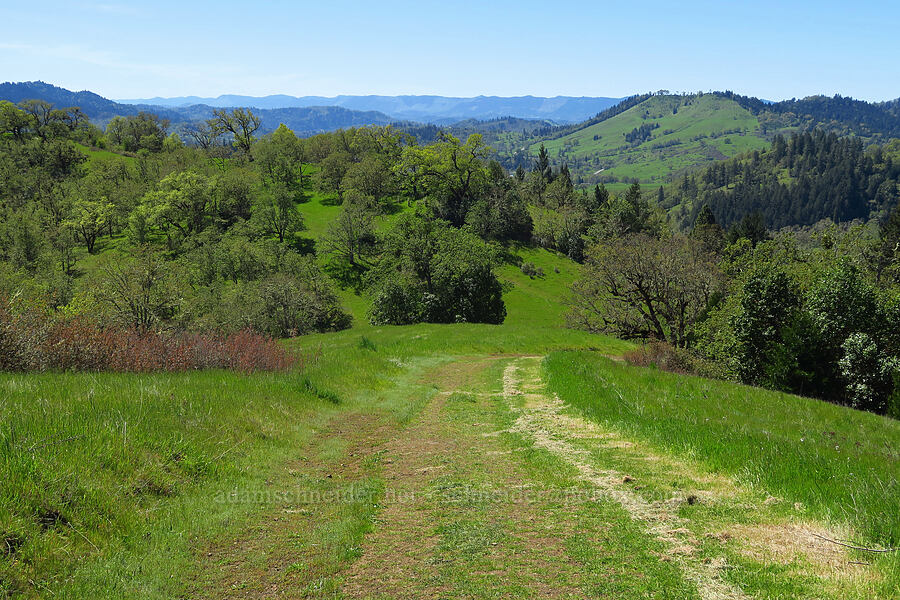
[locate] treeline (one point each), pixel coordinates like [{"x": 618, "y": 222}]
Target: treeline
[
  {"x": 641, "y": 134},
  {"x": 153, "y": 234},
  {"x": 837, "y": 114},
  {"x": 798, "y": 182},
  {"x": 165, "y": 239},
  {"x": 817, "y": 315}
]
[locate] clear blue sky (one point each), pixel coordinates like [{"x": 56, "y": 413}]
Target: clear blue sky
[{"x": 766, "y": 48}]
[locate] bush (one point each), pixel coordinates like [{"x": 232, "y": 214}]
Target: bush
[
  {"x": 868, "y": 373},
  {"x": 283, "y": 305},
  {"x": 532, "y": 271},
  {"x": 34, "y": 341},
  {"x": 663, "y": 356},
  {"x": 434, "y": 273}
]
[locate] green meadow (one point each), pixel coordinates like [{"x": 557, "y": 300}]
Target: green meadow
[{"x": 691, "y": 131}]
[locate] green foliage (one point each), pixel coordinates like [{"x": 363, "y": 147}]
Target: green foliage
[
  {"x": 141, "y": 293},
  {"x": 752, "y": 227},
  {"x": 350, "y": 238},
  {"x": 285, "y": 304},
  {"x": 501, "y": 214},
  {"x": 827, "y": 333},
  {"x": 796, "y": 182},
  {"x": 181, "y": 203},
  {"x": 768, "y": 329},
  {"x": 241, "y": 124},
  {"x": 435, "y": 273},
  {"x": 869, "y": 373},
  {"x": 885, "y": 258},
  {"x": 640, "y": 287},
  {"x": 143, "y": 131},
  {"x": 449, "y": 174}
]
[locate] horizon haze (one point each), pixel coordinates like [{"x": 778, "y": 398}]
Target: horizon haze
[{"x": 136, "y": 50}]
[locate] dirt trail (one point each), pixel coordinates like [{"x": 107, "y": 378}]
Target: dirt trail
[
  {"x": 470, "y": 507},
  {"x": 432, "y": 472},
  {"x": 793, "y": 544},
  {"x": 542, "y": 419}
]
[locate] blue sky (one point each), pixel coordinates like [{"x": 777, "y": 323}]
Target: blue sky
[{"x": 764, "y": 48}]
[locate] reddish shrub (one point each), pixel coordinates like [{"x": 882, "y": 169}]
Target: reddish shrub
[
  {"x": 662, "y": 356},
  {"x": 32, "y": 341}
]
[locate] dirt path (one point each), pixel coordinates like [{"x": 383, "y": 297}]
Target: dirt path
[
  {"x": 496, "y": 489},
  {"x": 447, "y": 528},
  {"x": 541, "y": 418},
  {"x": 748, "y": 526}
]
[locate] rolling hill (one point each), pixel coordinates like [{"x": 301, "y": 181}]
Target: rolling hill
[
  {"x": 655, "y": 138},
  {"x": 658, "y": 138}
]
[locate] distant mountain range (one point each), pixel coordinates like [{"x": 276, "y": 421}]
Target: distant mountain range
[
  {"x": 315, "y": 114},
  {"x": 650, "y": 138},
  {"x": 440, "y": 110},
  {"x": 304, "y": 121}
]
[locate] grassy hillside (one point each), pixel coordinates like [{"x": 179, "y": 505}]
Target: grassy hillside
[
  {"x": 841, "y": 463},
  {"x": 688, "y": 132},
  {"x": 190, "y": 485},
  {"x": 518, "y": 460},
  {"x": 120, "y": 478}
]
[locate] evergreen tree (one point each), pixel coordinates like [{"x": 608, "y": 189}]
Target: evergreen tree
[
  {"x": 751, "y": 227},
  {"x": 886, "y": 259},
  {"x": 601, "y": 195},
  {"x": 542, "y": 165}
]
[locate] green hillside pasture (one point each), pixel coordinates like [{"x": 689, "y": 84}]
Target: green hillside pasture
[
  {"x": 99, "y": 154},
  {"x": 110, "y": 481},
  {"x": 842, "y": 464},
  {"x": 696, "y": 136},
  {"x": 535, "y": 303}
]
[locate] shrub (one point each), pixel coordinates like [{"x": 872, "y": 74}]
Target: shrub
[
  {"x": 437, "y": 274},
  {"x": 532, "y": 271},
  {"x": 34, "y": 341},
  {"x": 868, "y": 372},
  {"x": 663, "y": 356}
]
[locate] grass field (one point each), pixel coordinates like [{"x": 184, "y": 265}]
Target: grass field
[
  {"x": 116, "y": 474},
  {"x": 211, "y": 484},
  {"x": 842, "y": 464},
  {"x": 691, "y": 131}
]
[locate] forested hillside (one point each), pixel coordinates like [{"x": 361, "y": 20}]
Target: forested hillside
[
  {"x": 653, "y": 138},
  {"x": 799, "y": 181}
]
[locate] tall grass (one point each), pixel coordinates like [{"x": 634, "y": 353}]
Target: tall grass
[
  {"x": 108, "y": 479},
  {"x": 841, "y": 463}
]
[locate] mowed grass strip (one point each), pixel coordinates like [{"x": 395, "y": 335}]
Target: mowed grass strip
[
  {"x": 839, "y": 463},
  {"x": 475, "y": 511},
  {"x": 733, "y": 540}
]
